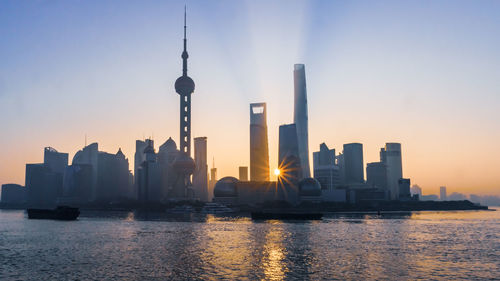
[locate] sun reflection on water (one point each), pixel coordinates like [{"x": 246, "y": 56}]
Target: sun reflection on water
[{"x": 273, "y": 254}]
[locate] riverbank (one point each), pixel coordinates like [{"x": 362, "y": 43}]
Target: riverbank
[{"x": 330, "y": 207}]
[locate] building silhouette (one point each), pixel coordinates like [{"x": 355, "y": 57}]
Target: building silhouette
[
  {"x": 54, "y": 160},
  {"x": 353, "y": 163},
  {"x": 184, "y": 165},
  {"x": 404, "y": 189},
  {"x": 89, "y": 156},
  {"x": 212, "y": 182},
  {"x": 391, "y": 156},
  {"x": 288, "y": 155},
  {"x": 113, "y": 177},
  {"x": 300, "y": 118},
  {"x": 200, "y": 176},
  {"x": 77, "y": 184},
  {"x": 149, "y": 178},
  {"x": 44, "y": 181},
  {"x": 376, "y": 175},
  {"x": 442, "y": 193},
  {"x": 243, "y": 173},
  {"x": 166, "y": 156},
  {"x": 139, "y": 158},
  {"x": 259, "y": 151},
  {"x": 416, "y": 190},
  {"x": 14, "y": 194},
  {"x": 325, "y": 169}
]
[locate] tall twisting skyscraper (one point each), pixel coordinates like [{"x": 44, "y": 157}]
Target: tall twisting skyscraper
[
  {"x": 300, "y": 117},
  {"x": 184, "y": 86}
]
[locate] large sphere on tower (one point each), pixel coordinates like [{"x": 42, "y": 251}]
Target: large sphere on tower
[
  {"x": 184, "y": 85},
  {"x": 184, "y": 164}
]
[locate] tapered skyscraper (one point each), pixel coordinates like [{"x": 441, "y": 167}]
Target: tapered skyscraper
[
  {"x": 300, "y": 117},
  {"x": 259, "y": 152},
  {"x": 184, "y": 86}
]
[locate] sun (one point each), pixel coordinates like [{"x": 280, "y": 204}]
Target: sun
[{"x": 277, "y": 172}]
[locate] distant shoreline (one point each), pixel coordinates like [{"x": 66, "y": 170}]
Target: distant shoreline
[{"x": 324, "y": 207}]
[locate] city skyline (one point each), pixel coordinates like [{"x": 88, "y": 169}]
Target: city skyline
[{"x": 35, "y": 119}]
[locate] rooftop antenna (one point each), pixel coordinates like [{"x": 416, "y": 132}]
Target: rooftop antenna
[{"x": 85, "y": 140}]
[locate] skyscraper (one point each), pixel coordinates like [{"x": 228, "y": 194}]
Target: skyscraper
[
  {"x": 200, "y": 176},
  {"x": 259, "y": 152},
  {"x": 416, "y": 190},
  {"x": 139, "y": 158},
  {"x": 149, "y": 178},
  {"x": 212, "y": 181},
  {"x": 288, "y": 154},
  {"x": 243, "y": 173},
  {"x": 404, "y": 189},
  {"x": 376, "y": 175},
  {"x": 353, "y": 163},
  {"x": 300, "y": 117},
  {"x": 55, "y": 161},
  {"x": 442, "y": 193},
  {"x": 325, "y": 170},
  {"x": 89, "y": 156},
  {"x": 391, "y": 156}
]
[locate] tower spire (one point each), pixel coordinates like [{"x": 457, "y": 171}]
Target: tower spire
[{"x": 185, "y": 55}]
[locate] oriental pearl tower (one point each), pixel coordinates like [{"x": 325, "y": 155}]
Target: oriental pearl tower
[{"x": 184, "y": 165}]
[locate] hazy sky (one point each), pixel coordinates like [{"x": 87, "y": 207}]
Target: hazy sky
[{"x": 423, "y": 73}]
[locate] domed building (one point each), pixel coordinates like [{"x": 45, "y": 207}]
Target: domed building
[
  {"x": 226, "y": 187},
  {"x": 226, "y": 190},
  {"x": 309, "y": 189}
]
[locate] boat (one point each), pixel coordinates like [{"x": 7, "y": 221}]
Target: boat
[
  {"x": 59, "y": 213},
  {"x": 285, "y": 216},
  {"x": 216, "y": 208}
]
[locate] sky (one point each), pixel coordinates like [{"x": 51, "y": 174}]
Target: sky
[{"x": 422, "y": 73}]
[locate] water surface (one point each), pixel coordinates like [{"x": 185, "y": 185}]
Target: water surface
[{"x": 127, "y": 246}]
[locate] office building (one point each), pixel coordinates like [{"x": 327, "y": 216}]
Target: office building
[
  {"x": 376, "y": 175},
  {"x": 43, "y": 185},
  {"x": 55, "y": 161},
  {"x": 14, "y": 194},
  {"x": 404, "y": 189},
  {"x": 442, "y": 193},
  {"x": 167, "y": 154},
  {"x": 391, "y": 156},
  {"x": 288, "y": 154},
  {"x": 325, "y": 170},
  {"x": 212, "y": 182},
  {"x": 300, "y": 118},
  {"x": 200, "y": 176},
  {"x": 149, "y": 178},
  {"x": 353, "y": 163},
  {"x": 77, "y": 184},
  {"x": 416, "y": 190},
  {"x": 259, "y": 152},
  {"x": 139, "y": 158},
  {"x": 89, "y": 156},
  {"x": 112, "y": 177},
  {"x": 243, "y": 173}
]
